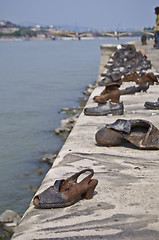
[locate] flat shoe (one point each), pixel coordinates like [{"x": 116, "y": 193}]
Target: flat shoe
[
  {"x": 105, "y": 109},
  {"x": 152, "y": 105},
  {"x": 141, "y": 133},
  {"x": 66, "y": 192},
  {"x": 108, "y": 137},
  {"x": 132, "y": 90}
]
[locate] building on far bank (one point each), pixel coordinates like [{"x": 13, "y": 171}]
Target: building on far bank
[{"x": 7, "y": 27}]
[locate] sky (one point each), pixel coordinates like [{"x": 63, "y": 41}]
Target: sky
[{"x": 102, "y": 15}]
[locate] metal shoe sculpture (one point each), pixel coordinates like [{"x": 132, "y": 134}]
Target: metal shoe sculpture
[
  {"x": 66, "y": 192},
  {"x": 132, "y": 90},
  {"x": 141, "y": 133},
  {"x": 152, "y": 105},
  {"x": 130, "y": 77},
  {"x": 147, "y": 77},
  {"x": 111, "y": 92},
  {"x": 105, "y": 108}
]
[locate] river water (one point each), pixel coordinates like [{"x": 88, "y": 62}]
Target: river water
[{"x": 37, "y": 79}]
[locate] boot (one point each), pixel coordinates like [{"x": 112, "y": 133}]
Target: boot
[
  {"x": 111, "y": 92},
  {"x": 130, "y": 77},
  {"x": 147, "y": 77}
]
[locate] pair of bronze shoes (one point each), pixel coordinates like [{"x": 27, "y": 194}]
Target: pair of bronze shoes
[
  {"x": 141, "y": 133},
  {"x": 149, "y": 78},
  {"x": 112, "y": 92},
  {"x": 66, "y": 192}
]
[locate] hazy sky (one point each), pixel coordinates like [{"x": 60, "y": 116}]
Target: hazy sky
[{"x": 96, "y": 14}]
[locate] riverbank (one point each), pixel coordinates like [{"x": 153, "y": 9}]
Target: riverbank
[
  {"x": 126, "y": 200},
  {"x": 9, "y": 39}
]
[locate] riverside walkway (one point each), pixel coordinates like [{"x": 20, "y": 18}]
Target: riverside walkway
[{"x": 126, "y": 201}]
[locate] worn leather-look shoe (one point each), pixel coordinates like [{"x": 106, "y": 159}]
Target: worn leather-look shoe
[
  {"x": 132, "y": 90},
  {"x": 105, "y": 109},
  {"x": 132, "y": 77},
  {"x": 66, "y": 192},
  {"x": 152, "y": 105},
  {"x": 110, "y": 87},
  {"x": 111, "y": 92},
  {"x": 104, "y": 81},
  {"x": 141, "y": 133},
  {"x": 147, "y": 77},
  {"x": 142, "y": 87},
  {"x": 108, "y": 78},
  {"x": 108, "y": 137},
  {"x": 128, "y": 90},
  {"x": 114, "y": 75}
]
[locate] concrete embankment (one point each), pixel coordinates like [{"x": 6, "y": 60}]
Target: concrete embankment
[{"x": 125, "y": 205}]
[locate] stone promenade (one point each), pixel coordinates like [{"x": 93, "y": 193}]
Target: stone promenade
[{"x": 125, "y": 205}]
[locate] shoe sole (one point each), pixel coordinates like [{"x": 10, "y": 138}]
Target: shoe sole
[
  {"x": 152, "y": 108},
  {"x": 113, "y": 112}
]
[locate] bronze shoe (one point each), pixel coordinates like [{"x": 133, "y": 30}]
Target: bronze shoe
[
  {"x": 147, "y": 77},
  {"x": 132, "y": 90},
  {"x": 141, "y": 133},
  {"x": 111, "y": 92},
  {"x": 152, "y": 105},
  {"x": 105, "y": 108},
  {"x": 108, "y": 137},
  {"x": 66, "y": 192},
  {"x": 130, "y": 77}
]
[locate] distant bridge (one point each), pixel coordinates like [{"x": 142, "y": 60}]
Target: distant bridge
[
  {"x": 74, "y": 35},
  {"x": 115, "y": 34}
]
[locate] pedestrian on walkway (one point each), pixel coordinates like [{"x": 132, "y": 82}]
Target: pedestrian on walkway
[{"x": 156, "y": 28}]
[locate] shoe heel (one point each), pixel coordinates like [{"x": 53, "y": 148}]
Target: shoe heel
[
  {"x": 90, "y": 192},
  {"x": 118, "y": 112},
  {"x": 121, "y": 112}
]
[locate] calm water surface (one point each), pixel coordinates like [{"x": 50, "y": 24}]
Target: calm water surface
[{"x": 37, "y": 79}]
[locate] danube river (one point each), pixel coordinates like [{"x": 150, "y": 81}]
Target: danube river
[{"x": 37, "y": 79}]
